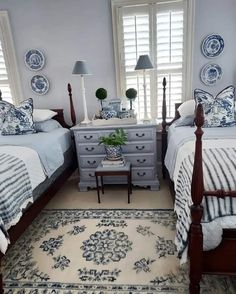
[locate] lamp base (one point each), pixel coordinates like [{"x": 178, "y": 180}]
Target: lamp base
[
  {"x": 85, "y": 122},
  {"x": 146, "y": 119}
]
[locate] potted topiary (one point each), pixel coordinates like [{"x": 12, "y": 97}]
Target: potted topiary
[
  {"x": 113, "y": 143},
  {"x": 101, "y": 94},
  {"x": 131, "y": 94}
]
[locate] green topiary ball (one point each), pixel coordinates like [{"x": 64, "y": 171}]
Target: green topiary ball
[
  {"x": 131, "y": 93},
  {"x": 101, "y": 93}
]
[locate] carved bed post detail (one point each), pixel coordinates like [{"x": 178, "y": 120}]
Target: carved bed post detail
[
  {"x": 164, "y": 132},
  {"x": 195, "y": 233},
  {"x": 72, "y": 110}
]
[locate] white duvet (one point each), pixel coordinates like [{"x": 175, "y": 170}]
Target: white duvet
[{"x": 35, "y": 169}]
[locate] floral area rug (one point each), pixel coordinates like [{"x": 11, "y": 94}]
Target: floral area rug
[{"x": 100, "y": 252}]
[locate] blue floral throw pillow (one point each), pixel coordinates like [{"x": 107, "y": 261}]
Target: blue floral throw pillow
[
  {"x": 19, "y": 119},
  {"x": 4, "y": 107},
  {"x": 219, "y": 110}
]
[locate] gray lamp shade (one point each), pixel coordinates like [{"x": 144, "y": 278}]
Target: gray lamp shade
[
  {"x": 144, "y": 62},
  {"x": 80, "y": 68}
]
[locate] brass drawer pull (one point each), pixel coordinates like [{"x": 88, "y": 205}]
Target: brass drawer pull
[
  {"x": 91, "y": 162},
  {"x": 141, "y": 161},
  {"x": 88, "y": 137},
  {"x": 138, "y": 135},
  {"x": 141, "y": 175},
  {"x": 91, "y": 176},
  {"x": 140, "y": 147},
  {"x": 89, "y": 149}
]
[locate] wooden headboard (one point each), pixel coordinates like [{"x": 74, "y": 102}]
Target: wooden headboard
[{"x": 60, "y": 118}]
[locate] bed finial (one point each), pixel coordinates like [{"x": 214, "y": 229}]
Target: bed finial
[
  {"x": 72, "y": 110},
  {"x": 197, "y": 188},
  {"x": 0, "y": 95}
]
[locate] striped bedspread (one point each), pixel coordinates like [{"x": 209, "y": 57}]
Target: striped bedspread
[
  {"x": 219, "y": 170},
  {"x": 16, "y": 185}
]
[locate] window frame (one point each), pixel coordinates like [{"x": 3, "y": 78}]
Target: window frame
[
  {"x": 189, "y": 8},
  {"x": 10, "y": 58}
]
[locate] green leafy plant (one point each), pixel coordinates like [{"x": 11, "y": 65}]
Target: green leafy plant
[
  {"x": 117, "y": 138},
  {"x": 101, "y": 94},
  {"x": 131, "y": 94}
]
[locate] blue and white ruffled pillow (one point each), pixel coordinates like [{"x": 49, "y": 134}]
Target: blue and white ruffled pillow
[
  {"x": 4, "y": 107},
  {"x": 19, "y": 119},
  {"x": 219, "y": 111}
]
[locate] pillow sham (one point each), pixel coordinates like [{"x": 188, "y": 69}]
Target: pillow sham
[
  {"x": 47, "y": 125},
  {"x": 18, "y": 119},
  {"x": 184, "y": 121},
  {"x": 219, "y": 110},
  {"x": 43, "y": 114},
  {"x": 4, "y": 107},
  {"x": 187, "y": 108}
]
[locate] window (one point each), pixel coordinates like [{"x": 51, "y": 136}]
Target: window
[
  {"x": 161, "y": 29},
  {"x": 9, "y": 76}
]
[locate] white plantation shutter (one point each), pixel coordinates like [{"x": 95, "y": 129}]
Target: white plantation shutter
[
  {"x": 169, "y": 50},
  {"x": 136, "y": 41},
  {"x": 156, "y": 28},
  {"x": 9, "y": 77},
  {"x": 4, "y": 82}
]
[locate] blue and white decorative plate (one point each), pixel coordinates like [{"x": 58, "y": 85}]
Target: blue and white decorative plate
[
  {"x": 211, "y": 73},
  {"x": 34, "y": 59},
  {"x": 39, "y": 84},
  {"x": 212, "y": 45}
]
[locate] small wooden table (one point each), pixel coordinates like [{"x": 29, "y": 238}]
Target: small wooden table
[{"x": 114, "y": 171}]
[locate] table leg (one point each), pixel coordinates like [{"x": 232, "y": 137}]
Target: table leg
[
  {"x": 128, "y": 184},
  {"x": 102, "y": 184},
  {"x": 130, "y": 180},
  {"x": 98, "y": 192}
]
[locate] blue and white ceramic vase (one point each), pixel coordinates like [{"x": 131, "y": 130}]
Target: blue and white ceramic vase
[
  {"x": 113, "y": 152},
  {"x": 107, "y": 113}
]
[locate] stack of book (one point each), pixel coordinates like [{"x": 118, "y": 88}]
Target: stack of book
[{"x": 113, "y": 162}]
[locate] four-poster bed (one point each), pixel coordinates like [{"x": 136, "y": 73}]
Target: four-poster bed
[
  {"x": 222, "y": 259},
  {"x": 47, "y": 189}
]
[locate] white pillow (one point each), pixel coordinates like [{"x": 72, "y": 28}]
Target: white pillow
[
  {"x": 43, "y": 114},
  {"x": 187, "y": 108}
]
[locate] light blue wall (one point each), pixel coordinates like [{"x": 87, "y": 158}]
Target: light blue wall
[
  {"x": 68, "y": 30},
  {"x": 215, "y": 16}
]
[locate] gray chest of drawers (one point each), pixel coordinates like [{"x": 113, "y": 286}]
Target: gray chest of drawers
[{"x": 140, "y": 150}]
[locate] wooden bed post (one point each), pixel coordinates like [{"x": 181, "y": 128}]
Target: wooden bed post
[
  {"x": 164, "y": 132},
  {"x": 195, "y": 233},
  {"x": 72, "y": 110}
]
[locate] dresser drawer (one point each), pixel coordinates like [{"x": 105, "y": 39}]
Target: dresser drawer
[
  {"x": 140, "y": 159},
  {"x": 90, "y": 149},
  {"x": 87, "y": 174},
  {"x": 140, "y": 134},
  {"x": 86, "y": 161},
  {"x": 143, "y": 173},
  {"x": 138, "y": 147},
  {"x": 91, "y": 136}
]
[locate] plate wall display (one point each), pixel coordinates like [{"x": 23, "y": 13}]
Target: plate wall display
[
  {"x": 39, "y": 84},
  {"x": 34, "y": 59},
  {"x": 212, "y": 45},
  {"x": 210, "y": 74}
]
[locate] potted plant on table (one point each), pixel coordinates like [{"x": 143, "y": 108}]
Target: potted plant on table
[
  {"x": 101, "y": 94},
  {"x": 113, "y": 143},
  {"x": 131, "y": 94}
]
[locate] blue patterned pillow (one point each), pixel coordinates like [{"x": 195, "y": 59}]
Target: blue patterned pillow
[
  {"x": 4, "y": 107},
  {"x": 19, "y": 119},
  {"x": 218, "y": 111}
]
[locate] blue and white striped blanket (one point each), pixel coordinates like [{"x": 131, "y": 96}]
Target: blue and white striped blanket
[
  {"x": 15, "y": 187},
  {"x": 219, "y": 170}
]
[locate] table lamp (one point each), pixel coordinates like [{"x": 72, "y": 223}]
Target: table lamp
[
  {"x": 80, "y": 68},
  {"x": 144, "y": 63}
]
